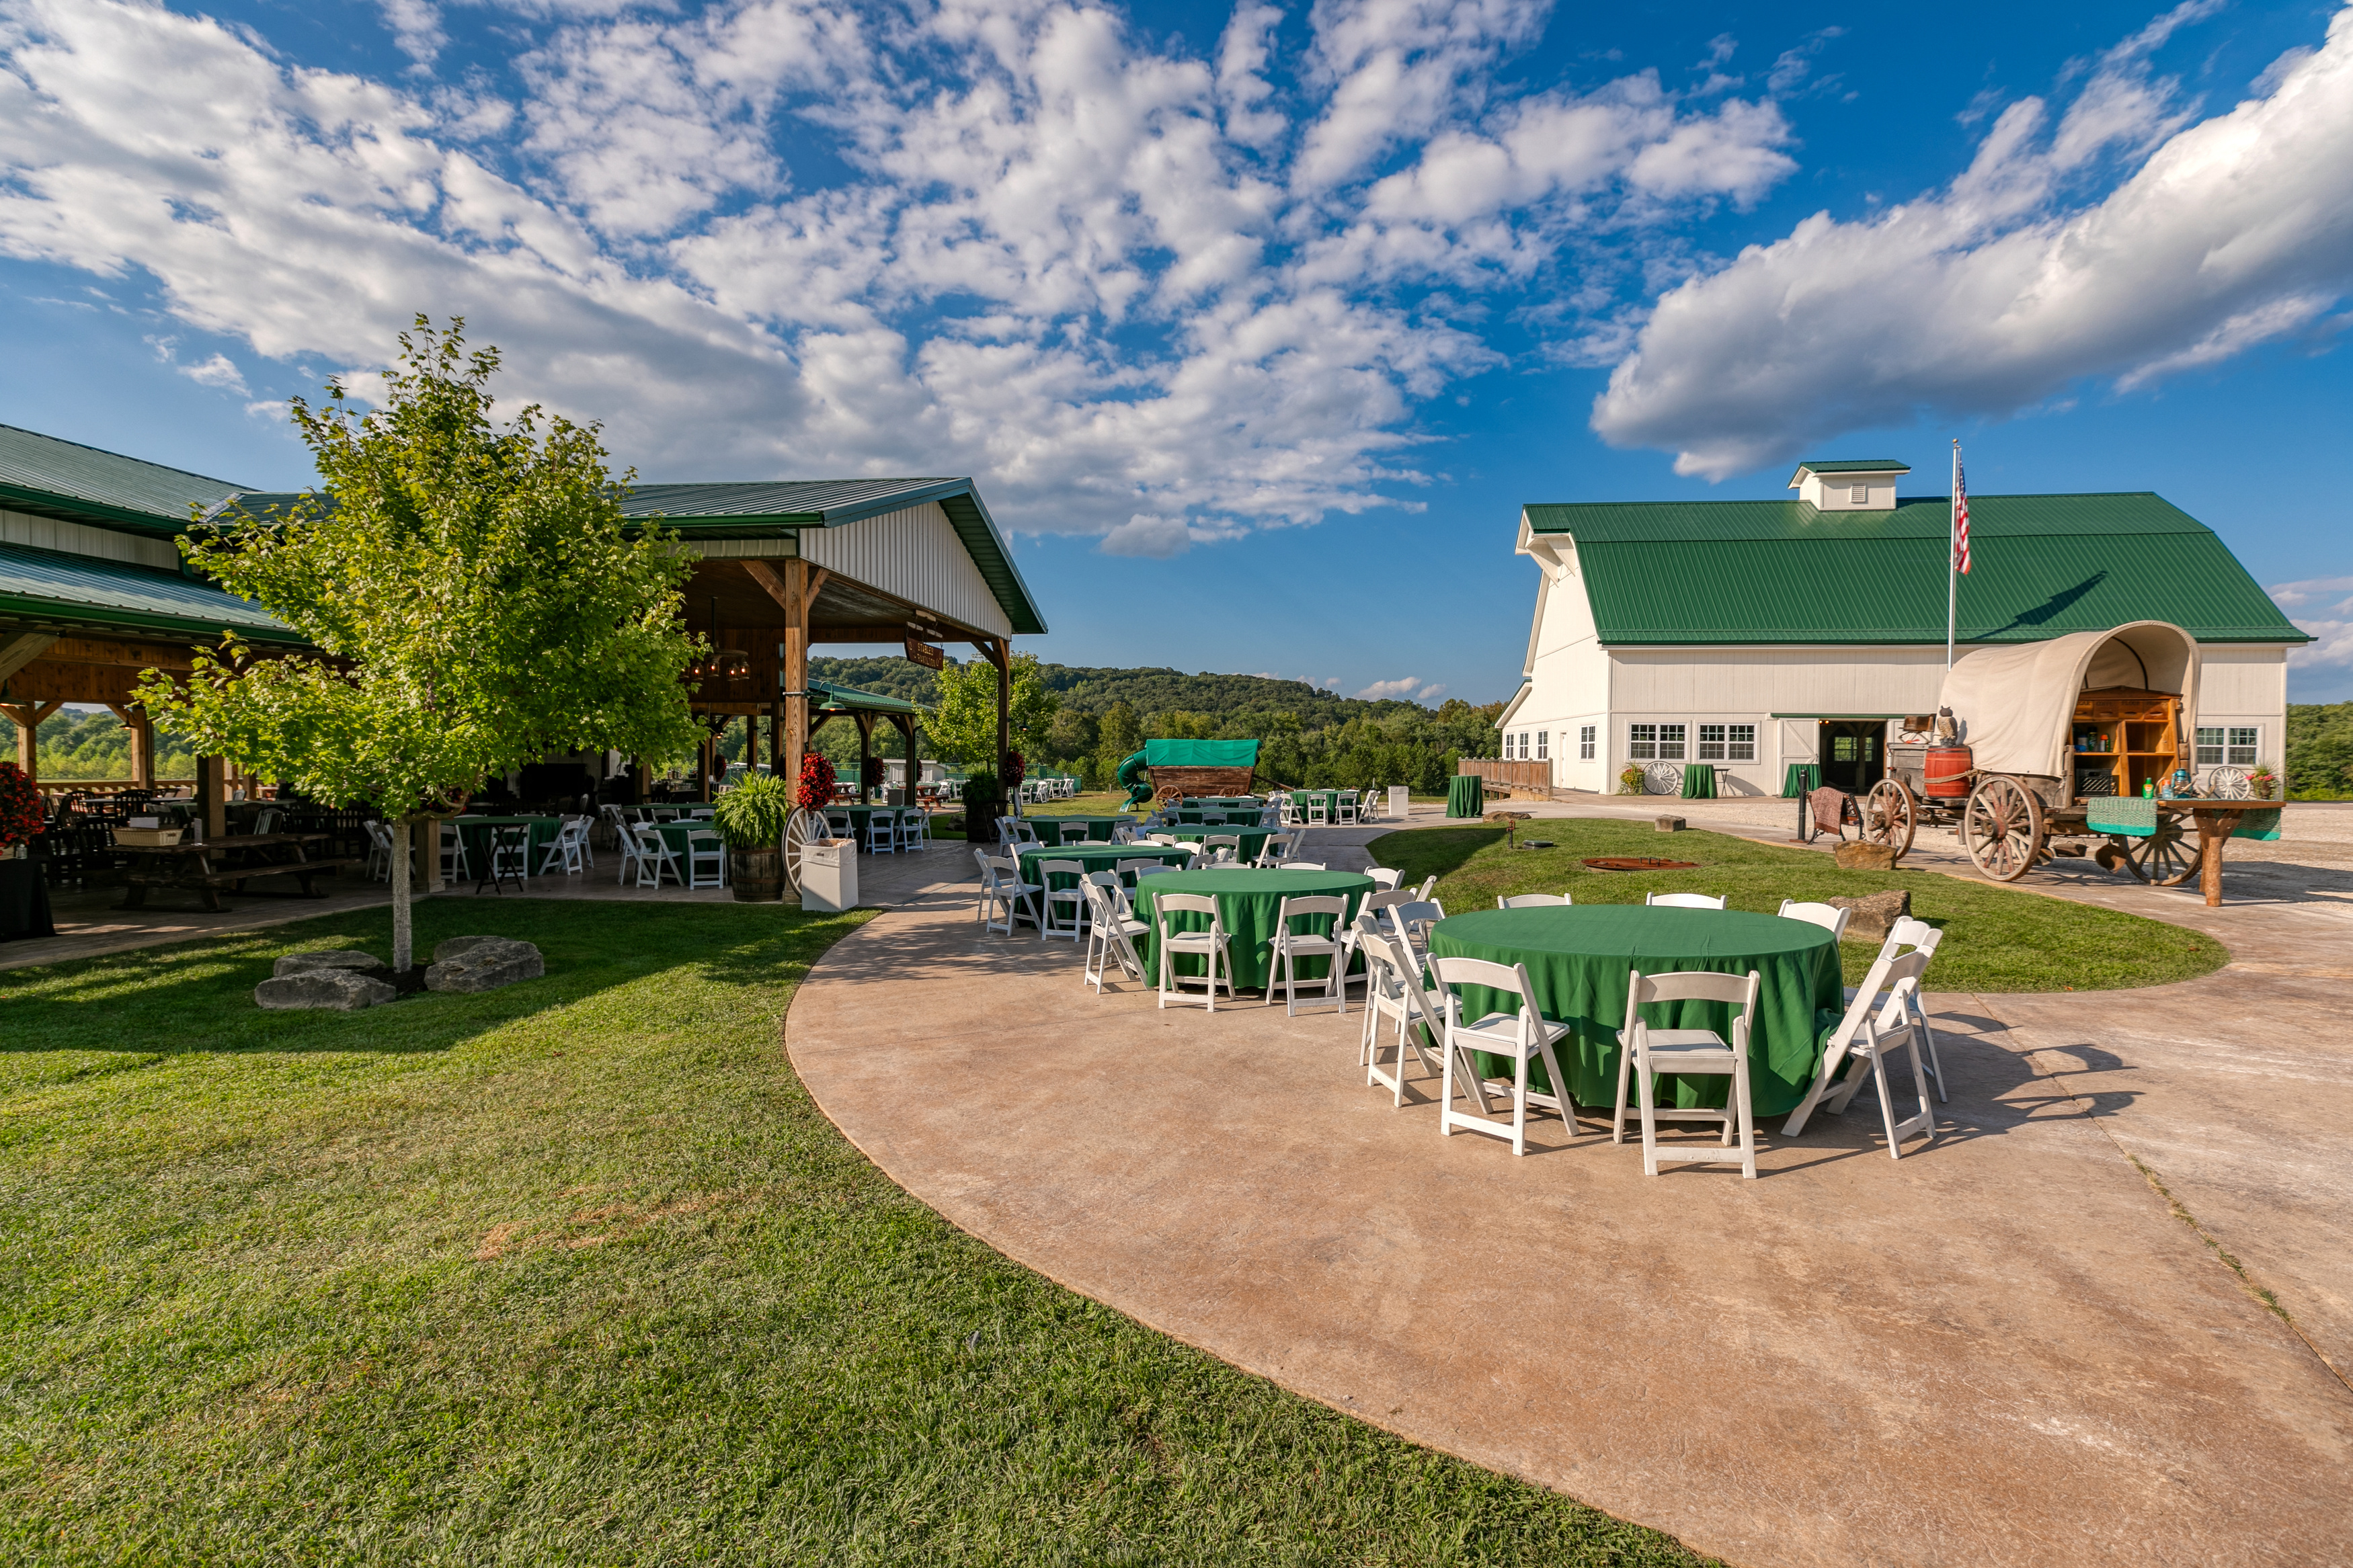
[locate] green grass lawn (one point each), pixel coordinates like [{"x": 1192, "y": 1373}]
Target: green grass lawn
[
  {"x": 1996, "y": 939},
  {"x": 576, "y": 1272}
]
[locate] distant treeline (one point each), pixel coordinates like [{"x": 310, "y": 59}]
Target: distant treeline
[
  {"x": 1313, "y": 737},
  {"x": 96, "y": 746},
  {"x": 2320, "y": 751}
]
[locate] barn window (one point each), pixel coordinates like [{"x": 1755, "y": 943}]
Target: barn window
[
  {"x": 1585, "y": 743},
  {"x": 1857, "y": 495},
  {"x": 2210, "y": 747},
  {"x": 1544, "y": 744},
  {"x": 1740, "y": 746},
  {"x": 2242, "y": 753},
  {"x": 1643, "y": 742},
  {"x": 1671, "y": 743},
  {"x": 1711, "y": 743}
]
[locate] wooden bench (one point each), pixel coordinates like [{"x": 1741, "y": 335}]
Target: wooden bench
[{"x": 189, "y": 866}]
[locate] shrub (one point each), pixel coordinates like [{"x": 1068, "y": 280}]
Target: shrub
[{"x": 752, "y": 814}]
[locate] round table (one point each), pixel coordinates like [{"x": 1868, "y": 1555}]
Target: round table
[
  {"x": 1096, "y": 857},
  {"x": 1253, "y": 838},
  {"x": 475, "y": 833},
  {"x": 1099, "y": 828},
  {"x": 1248, "y": 901},
  {"x": 1578, "y": 960}
]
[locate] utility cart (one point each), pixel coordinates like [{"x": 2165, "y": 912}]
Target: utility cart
[{"x": 2045, "y": 749}]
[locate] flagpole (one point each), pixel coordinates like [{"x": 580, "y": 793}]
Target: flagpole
[{"x": 1952, "y": 553}]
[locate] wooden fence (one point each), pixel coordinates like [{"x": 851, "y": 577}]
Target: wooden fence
[{"x": 1497, "y": 773}]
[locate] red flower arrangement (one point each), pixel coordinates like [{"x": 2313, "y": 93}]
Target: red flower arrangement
[
  {"x": 20, "y": 806},
  {"x": 816, "y": 790},
  {"x": 873, "y": 773},
  {"x": 1016, "y": 768}
]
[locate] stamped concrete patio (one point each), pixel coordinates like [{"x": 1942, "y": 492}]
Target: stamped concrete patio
[{"x": 2009, "y": 1347}]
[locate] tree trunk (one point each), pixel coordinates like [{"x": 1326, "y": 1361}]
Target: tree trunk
[{"x": 404, "y": 936}]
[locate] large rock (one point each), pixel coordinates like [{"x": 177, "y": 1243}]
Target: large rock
[
  {"x": 483, "y": 964},
  {"x": 1861, "y": 856},
  {"x": 342, "y": 958},
  {"x": 1874, "y": 915},
  {"x": 335, "y": 990}
]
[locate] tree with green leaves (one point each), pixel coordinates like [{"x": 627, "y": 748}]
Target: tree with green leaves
[
  {"x": 964, "y": 729},
  {"x": 474, "y": 597}
]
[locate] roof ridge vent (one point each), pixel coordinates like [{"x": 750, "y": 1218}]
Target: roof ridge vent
[{"x": 1849, "y": 484}]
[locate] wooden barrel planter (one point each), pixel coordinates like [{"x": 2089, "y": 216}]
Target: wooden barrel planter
[{"x": 759, "y": 875}]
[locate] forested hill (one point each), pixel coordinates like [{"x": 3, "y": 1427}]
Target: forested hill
[{"x": 1145, "y": 690}]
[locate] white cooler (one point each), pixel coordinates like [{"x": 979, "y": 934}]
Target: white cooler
[
  {"x": 829, "y": 875},
  {"x": 1400, "y": 800}
]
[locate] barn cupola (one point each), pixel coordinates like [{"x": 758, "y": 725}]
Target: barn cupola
[{"x": 1850, "y": 484}]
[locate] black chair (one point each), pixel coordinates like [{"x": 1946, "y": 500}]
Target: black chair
[{"x": 507, "y": 846}]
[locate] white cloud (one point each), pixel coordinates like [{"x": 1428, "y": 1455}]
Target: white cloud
[
  {"x": 1987, "y": 297},
  {"x": 415, "y": 28},
  {"x": 2323, "y": 606},
  {"x": 219, "y": 371},
  {"x": 1407, "y": 688},
  {"x": 1156, "y": 537}
]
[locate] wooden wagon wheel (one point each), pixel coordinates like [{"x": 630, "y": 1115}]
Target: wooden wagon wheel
[
  {"x": 1890, "y": 816},
  {"x": 801, "y": 828},
  {"x": 2002, "y": 826},
  {"x": 2167, "y": 858},
  {"x": 1167, "y": 795}
]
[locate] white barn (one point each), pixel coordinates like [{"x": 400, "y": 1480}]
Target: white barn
[{"x": 1756, "y": 635}]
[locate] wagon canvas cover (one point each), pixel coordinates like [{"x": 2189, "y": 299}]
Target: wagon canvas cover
[{"x": 2016, "y": 705}]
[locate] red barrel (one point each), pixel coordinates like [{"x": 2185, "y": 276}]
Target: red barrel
[{"x": 1947, "y": 772}]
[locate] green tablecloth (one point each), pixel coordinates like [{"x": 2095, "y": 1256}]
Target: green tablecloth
[
  {"x": 1253, "y": 838},
  {"x": 1800, "y": 778},
  {"x": 674, "y": 834},
  {"x": 1247, "y": 903},
  {"x": 1098, "y": 857},
  {"x": 475, "y": 831},
  {"x": 1463, "y": 797},
  {"x": 1578, "y": 958},
  {"x": 1699, "y": 781},
  {"x": 1099, "y": 828}
]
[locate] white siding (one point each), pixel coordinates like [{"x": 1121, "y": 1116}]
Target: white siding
[
  {"x": 1568, "y": 672},
  {"x": 79, "y": 539},
  {"x": 915, "y": 555},
  {"x": 2238, "y": 685},
  {"x": 1767, "y": 680}
]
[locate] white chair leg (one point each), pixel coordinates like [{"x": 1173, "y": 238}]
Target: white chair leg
[
  {"x": 1520, "y": 1107},
  {"x": 1643, "y": 1089},
  {"x": 1936, "y": 1062},
  {"x": 1747, "y": 1123}
]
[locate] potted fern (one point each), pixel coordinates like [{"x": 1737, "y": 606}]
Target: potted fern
[{"x": 751, "y": 820}]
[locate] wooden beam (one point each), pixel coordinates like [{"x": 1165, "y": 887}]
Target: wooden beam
[
  {"x": 28, "y": 717},
  {"x": 18, "y": 650}
]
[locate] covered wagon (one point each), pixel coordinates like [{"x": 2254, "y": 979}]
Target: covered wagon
[{"x": 1189, "y": 769}]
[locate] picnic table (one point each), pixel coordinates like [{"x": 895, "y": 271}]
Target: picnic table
[{"x": 205, "y": 866}]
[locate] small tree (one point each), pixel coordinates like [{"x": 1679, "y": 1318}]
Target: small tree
[
  {"x": 474, "y": 598},
  {"x": 963, "y": 730}
]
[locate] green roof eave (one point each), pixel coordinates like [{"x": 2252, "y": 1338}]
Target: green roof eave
[
  {"x": 97, "y": 514},
  {"x": 47, "y": 588},
  {"x": 1856, "y": 465}
]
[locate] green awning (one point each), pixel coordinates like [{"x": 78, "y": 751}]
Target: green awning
[
  {"x": 825, "y": 697},
  {"x": 47, "y": 588},
  {"x": 1200, "y": 753}
]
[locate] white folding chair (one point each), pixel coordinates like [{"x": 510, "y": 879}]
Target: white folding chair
[
  {"x": 1287, "y": 947},
  {"x": 1681, "y": 901},
  {"x": 1347, "y": 809},
  {"x": 626, "y": 834},
  {"x": 566, "y": 848},
  {"x": 1394, "y": 995},
  {"x": 1139, "y": 868},
  {"x": 1222, "y": 848},
  {"x": 1422, "y": 893},
  {"x": 914, "y": 829},
  {"x": 1646, "y": 1054},
  {"x": 1319, "y": 810},
  {"x": 1520, "y": 1035},
  {"x": 456, "y": 864},
  {"x": 1534, "y": 902},
  {"x": 881, "y": 833},
  {"x": 1878, "y": 1020},
  {"x": 1910, "y": 933},
  {"x": 1001, "y": 884},
  {"x": 655, "y": 860},
  {"x": 1410, "y": 920},
  {"x": 1302, "y": 866},
  {"x": 1385, "y": 878},
  {"x": 379, "y": 854},
  {"x": 1830, "y": 917},
  {"x": 1072, "y": 899},
  {"x": 1111, "y": 932},
  {"x": 1211, "y": 945},
  {"x": 705, "y": 852}
]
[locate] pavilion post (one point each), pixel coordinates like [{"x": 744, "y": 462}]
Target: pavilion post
[
  {"x": 212, "y": 796},
  {"x": 865, "y": 722},
  {"x": 795, "y": 652},
  {"x": 141, "y": 731},
  {"x": 28, "y": 717}
]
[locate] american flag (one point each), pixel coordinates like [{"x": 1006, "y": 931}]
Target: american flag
[{"x": 1960, "y": 516}]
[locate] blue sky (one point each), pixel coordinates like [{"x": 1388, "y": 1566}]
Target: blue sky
[{"x": 1257, "y": 323}]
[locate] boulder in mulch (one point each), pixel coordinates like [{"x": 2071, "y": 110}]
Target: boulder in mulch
[
  {"x": 343, "y": 958},
  {"x": 1875, "y": 914},
  {"x": 331, "y": 990},
  {"x": 468, "y": 963}
]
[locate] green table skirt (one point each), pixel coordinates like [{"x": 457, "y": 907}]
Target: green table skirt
[
  {"x": 1248, "y": 901},
  {"x": 1098, "y": 857},
  {"x": 1699, "y": 781},
  {"x": 1253, "y": 838},
  {"x": 1800, "y": 778},
  {"x": 1464, "y": 797},
  {"x": 1099, "y": 828},
  {"x": 1197, "y": 815},
  {"x": 476, "y": 833},
  {"x": 1578, "y": 959}
]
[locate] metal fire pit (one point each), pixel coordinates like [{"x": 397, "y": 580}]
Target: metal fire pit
[{"x": 1638, "y": 863}]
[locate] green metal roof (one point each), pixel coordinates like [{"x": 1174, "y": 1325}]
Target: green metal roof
[
  {"x": 825, "y": 697},
  {"x": 1780, "y": 572},
  {"x": 1856, "y": 465},
  {"x": 770, "y": 508},
  {"x": 45, "y": 588},
  {"x": 49, "y": 478}
]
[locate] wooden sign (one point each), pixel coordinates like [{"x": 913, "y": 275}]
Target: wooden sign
[{"x": 924, "y": 654}]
